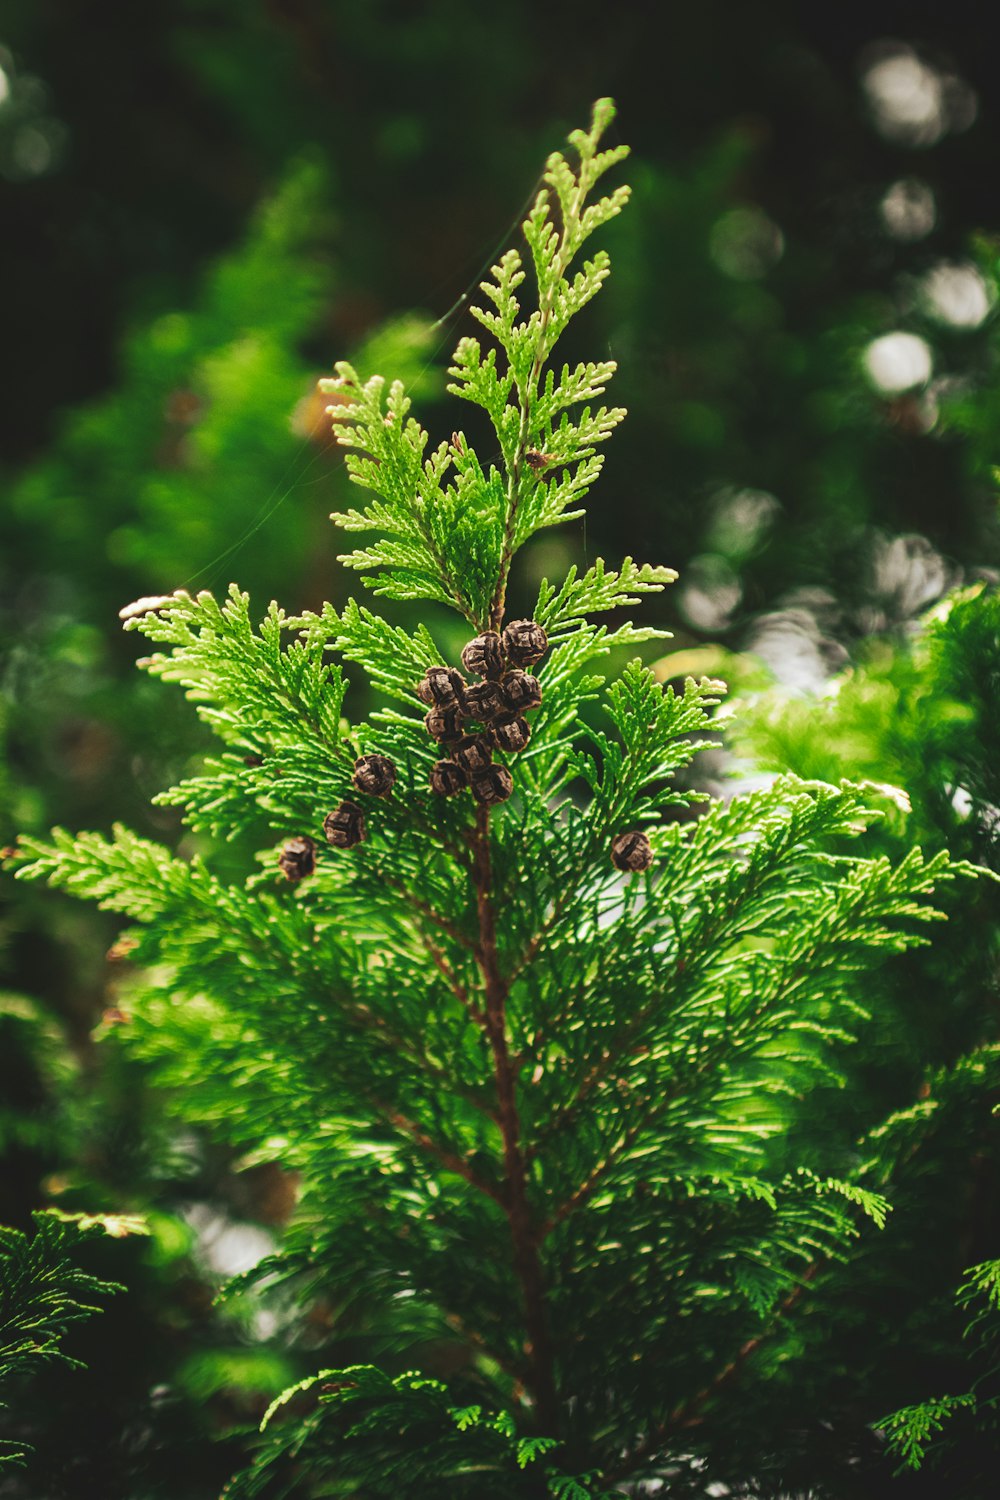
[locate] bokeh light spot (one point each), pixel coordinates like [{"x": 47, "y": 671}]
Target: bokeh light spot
[
  {"x": 908, "y": 209},
  {"x": 906, "y": 98},
  {"x": 898, "y": 361},
  {"x": 745, "y": 244},
  {"x": 741, "y": 521},
  {"x": 710, "y": 593},
  {"x": 31, "y": 151},
  {"x": 912, "y": 102},
  {"x": 956, "y": 293}
]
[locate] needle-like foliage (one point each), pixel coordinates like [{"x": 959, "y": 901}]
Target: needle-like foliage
[{"x": 527, "y": 1051}]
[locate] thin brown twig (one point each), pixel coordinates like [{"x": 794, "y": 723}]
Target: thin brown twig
[
  {"x": 398, "y": 1044},
  {"x": 456, "y": 1322},
  {"x": 587, "y": 1187},
  {"x": 453, "y": 982},
  {"x": 592, "y": 1181},
  {"x": 426, "y": 910},
  {"x": 601, "y": 1067},
  {"x": 449, "y": 1159}
]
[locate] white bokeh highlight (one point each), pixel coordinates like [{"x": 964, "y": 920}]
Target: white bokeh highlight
[
  {"x": 956, "y": 293},
  {"x": 898, "y": 362}
]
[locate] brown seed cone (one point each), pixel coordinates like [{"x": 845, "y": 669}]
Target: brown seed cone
[
  {"x": 448, "y": 778},
  {"x": 474, "y": 754},
  {"x": 631, "y": 852},
  {"x": 484, "y": 701},
  {"x": 521, "y": 693},
  {"x": 345, "y": 826},
  {"x": 444, "y": 724},
  {"x": 524, "y": 642},
  {"x": 483, "y": 655},
  {"x": 374, "y": 774},
  {"x": 443, "y": 687},
  {"x": 492, "y": 786},
  {"x": 510, "y": 734},
  {"x": 298, "y": 858}
]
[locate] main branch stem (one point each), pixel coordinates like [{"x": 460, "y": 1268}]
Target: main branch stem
[{"x": 527, "y": 1264}]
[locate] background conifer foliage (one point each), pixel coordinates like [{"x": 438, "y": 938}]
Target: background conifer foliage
[{"x": 538, "y": 1044}]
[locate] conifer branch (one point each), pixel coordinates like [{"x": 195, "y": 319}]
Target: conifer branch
[
  {"x": 527, "y": 1264},
  {"x": 425, "y": 909},
  {"x": 456, "y": 986},
  {"x": 691, "y": 1413},
  {"x": 447, "y": 1158},
  {"x": 551, "y": 290},
  {"x": 665, "y": 1019},
  {"x": 527, "y": 390}
]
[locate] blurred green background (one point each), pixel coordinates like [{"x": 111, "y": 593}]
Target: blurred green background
[{"x": 206, "y": 204}]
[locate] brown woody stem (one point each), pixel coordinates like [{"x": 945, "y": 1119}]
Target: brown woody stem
[{"x": 527, "y": 1264}]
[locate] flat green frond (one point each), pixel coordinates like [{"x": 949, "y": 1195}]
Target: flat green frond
[
  {"x": 873, "y": 1205},
  {"x": 400, "y": 1438},
  {"x": 393, "y": 659},
  {"x": 629, "y": 778},
  {"x": 560, "y": 610},
  {"x": 910, "y": 1431},
  {"x": 253, "y": 688},
  {"x": 413, "y": 516},
  {"x": 126, "y": 873}
]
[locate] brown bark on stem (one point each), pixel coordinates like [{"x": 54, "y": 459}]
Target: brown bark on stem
[{"x": 524, "y": 1240}]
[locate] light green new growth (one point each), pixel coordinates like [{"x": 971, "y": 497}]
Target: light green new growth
[
  {"x": 531, "y": 1099},
  {"x": 446, "y": 528},
  {"x": 912, "y": 1429}
]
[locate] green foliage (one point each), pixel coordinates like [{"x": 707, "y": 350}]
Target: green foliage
[
  {"x": 398, "y": 1437},
  {"x": 42, "y": 1293},
  {"x": 919, "y": 723},
  {"x": 912, "y": 1429},
  {"x": 201, "y": 416},
  {"x": 562, "y": 610},
  {"x": 912, "y": 1432},
  {"x": 454, "y": 542},
  {"x": 534, "y": 1102}
]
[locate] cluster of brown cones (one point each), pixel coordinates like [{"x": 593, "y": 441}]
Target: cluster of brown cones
[{"x": 496, "y": 704}]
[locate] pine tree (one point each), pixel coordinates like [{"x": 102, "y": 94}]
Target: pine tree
[{"x": 525, "y": 1030}]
